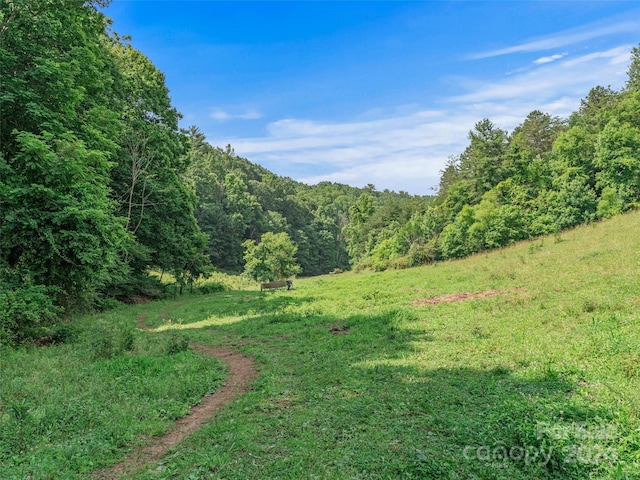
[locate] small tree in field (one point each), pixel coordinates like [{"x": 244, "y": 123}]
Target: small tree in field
[{"x": 274, "y": 258}]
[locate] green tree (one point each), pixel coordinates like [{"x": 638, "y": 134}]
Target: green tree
[
  {"x": 482, "y": 163},
  {"x": 633, "y": 74},
  {"x": 532, "y": 139},
  {"x": 355, "y": 232},
  {"x": 618, "y": 158},
  {"x": 56, "y": 221},
  {"x": 273, "y": 258},
  {"x": 150, "y": 178},
  {"x": 58, "y": 131},
  {"x": 610, "y": 203},
  {"x": 569, "y": 202}
]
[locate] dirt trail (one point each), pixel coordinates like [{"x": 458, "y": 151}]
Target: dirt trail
[
  {"x": 460, "y": 297},
  {"x": 242, "y": 372},
  {"x": 456, "y": 297}
]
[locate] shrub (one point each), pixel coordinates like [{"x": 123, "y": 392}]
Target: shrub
[
  {"x": 212, "y": 287},
  {"x": 27, "y": 313},
  {"x": 610, "y": 203},
  {"x": 110, "y": 340},
  {"x": 422, "y": 254},
  {"x": 176, "y": 344}
]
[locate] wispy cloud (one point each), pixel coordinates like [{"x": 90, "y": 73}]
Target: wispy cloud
[
  {"x": 549, "y": 59},
  {"x": 407, "y": 150},
  {"x": 563, "y": 39},
  {"x": 223, "y": 116},
  {"x": 572, "y": 77}
]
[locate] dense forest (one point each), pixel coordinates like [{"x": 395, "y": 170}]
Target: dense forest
[{"x": 99, "y": 186}]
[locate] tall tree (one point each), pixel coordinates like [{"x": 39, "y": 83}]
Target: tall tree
[
  {"x": 633, "y": 73},
  {"x": 618, "y": 158},
  {"x": 482, "y": 162},
  {"x": 58, "y": 131},
  {"x": 532, "y": 139},
  {"x": 149, "y": 179}
]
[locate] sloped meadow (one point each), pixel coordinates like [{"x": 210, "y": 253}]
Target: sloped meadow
[{"x": 513, "y": 364}]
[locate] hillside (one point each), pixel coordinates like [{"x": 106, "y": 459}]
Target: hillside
[
  {"x": 100, "y": 185},
  {"x": 517, "y": 364}
]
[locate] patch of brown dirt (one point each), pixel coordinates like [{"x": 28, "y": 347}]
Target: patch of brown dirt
[
  {"x": 340, "y": 330},
  {"x": 456, "y": 297},
  {"x": 242, "y": 372},
  {"x": 141, "y": 318}
]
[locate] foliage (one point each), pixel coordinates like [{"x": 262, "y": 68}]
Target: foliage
[
  {"x": 73, "y": 408},
  {"x": 360, "y": 376},
  {"x": 610, "y": 203},
  {"x": 99, "y": 186},
  {"x": 26, "y": 312},
  {"x": 91, "y": 194},
  {"x": 239, "y": 201},
  {"x": 617, "y": 157},
  {"x": 546, "y": 176},
  {"x": 274, "y": 258},
  {"x": 58, "y": 227}
]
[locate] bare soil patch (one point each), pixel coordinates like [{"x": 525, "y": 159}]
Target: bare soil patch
[
  {"x": 242, "y": 372},
  {"x": 456, "y": 297},
  {"x": 340, "y": 330}
]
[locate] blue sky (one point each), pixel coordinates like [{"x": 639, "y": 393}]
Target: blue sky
[{"x": 376, "y": 92}]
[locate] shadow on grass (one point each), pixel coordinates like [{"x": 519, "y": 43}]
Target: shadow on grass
[
  {"x": 351, "y": 397},
  {"x": 200, "y": 311}
]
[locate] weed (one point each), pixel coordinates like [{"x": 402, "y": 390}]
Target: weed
[
  {"x": 176, "y": 344},
  {"x": 20, "y": 411},
  {"x": 589, "y": 306},
  {"x": 535, "y": 247}
]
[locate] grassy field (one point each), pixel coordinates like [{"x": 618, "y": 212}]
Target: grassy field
[{"x": 522, "y": 363}]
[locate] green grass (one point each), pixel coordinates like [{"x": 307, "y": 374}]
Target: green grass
[
  {"x": 358, "y": 381},
  {"x": 67, "y": 410}
]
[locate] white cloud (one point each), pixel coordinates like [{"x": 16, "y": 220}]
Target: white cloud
[
  {"x": 571, "y": 77},
  {"x": 223, "y": 116},
  {"x": 569, "y": 37},
  {"x": 407, "y": 150},
  {"x": 549, "y": 59}
]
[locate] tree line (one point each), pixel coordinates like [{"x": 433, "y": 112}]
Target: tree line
[
  {"x": 92, "y": 167},
  {"x": 547, "y": 175},
  {"x": 99, "y": 186}
]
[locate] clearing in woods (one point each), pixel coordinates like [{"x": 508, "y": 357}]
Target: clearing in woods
[{"x": 514, "y": 364}]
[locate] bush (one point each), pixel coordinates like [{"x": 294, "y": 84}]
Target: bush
[
  {"x": 212, "y": 287},
  {"x": 27, "y": 313},
  {"x": 137, "y": 286},
  {"x": 422, "y": 254},
  {"x": 109, "y": 340},
  {"x": 399, "y": 263},
  {"x": 610, "y": 203},
  {"x": 176, "y": 344}
]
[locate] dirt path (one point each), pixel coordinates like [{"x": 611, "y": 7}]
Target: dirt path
[
  {"x": 456, "y": 297},
  {"x": 242, "y": 372}
]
